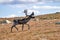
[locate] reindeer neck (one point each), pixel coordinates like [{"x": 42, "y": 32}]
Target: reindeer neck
[{"x": 28, "y": 18}]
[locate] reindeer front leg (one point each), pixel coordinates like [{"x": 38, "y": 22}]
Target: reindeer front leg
[
  {"x": 22, "y": 26},
  {"x": 28, "y": 26}
]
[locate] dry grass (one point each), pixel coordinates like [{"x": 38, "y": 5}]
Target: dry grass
[
  {"x": 49, "y": 16},
  {"x": 40, "y": 30}
]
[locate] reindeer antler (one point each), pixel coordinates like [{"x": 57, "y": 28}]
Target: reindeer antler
[{"x": 25, "y": 11}]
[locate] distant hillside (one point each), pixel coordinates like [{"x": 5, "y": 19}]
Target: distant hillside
[
  {"x": 10, "y": 19},
  {"x": 49, "y": 16},
  {"x": 40, "y": 17}
]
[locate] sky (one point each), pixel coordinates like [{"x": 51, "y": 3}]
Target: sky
[{"x": 15, "y": 8}]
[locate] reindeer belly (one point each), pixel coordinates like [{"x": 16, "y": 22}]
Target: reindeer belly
[{"x": 22, "y": 22}]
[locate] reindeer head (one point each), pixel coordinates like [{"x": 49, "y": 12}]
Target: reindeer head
[{"x": 32, "y": 15}]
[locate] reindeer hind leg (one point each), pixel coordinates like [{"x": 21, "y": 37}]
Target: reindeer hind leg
[
  {"x": 16, "y": 28},
  {"x": 12, "y": 27}
]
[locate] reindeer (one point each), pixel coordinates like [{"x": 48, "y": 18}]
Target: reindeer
[{"x": 22, "y": 21}]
